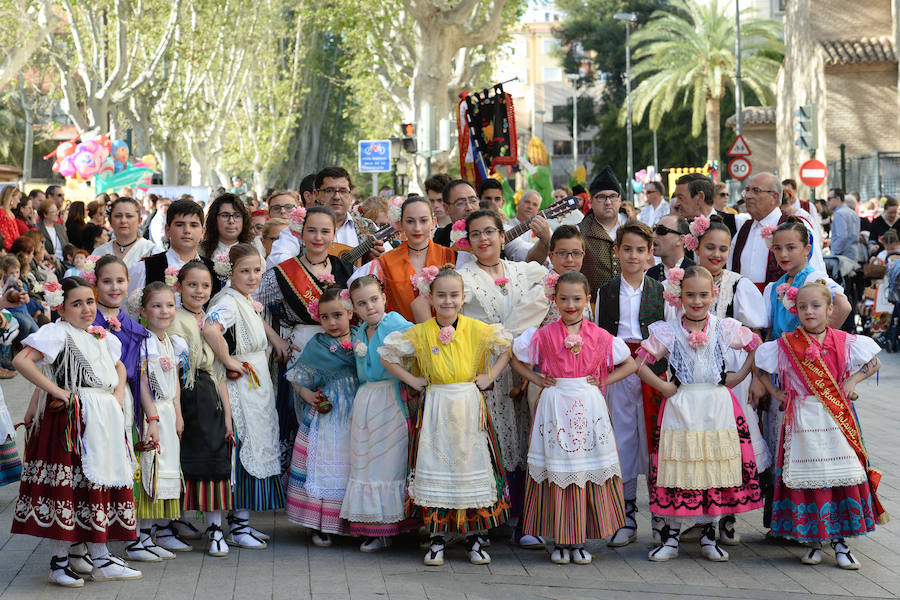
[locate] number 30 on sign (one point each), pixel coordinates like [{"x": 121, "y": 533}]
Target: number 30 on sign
[{"x": 739, "y": 168}]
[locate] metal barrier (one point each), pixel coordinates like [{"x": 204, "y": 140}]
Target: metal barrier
[{"x": 872, "y": 175}]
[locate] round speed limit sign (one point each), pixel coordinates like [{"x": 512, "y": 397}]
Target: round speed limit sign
[{"x": 739, "y": 168}]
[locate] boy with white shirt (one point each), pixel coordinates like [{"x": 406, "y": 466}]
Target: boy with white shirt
[
  {"x": 626, "y": 306},
  {"x": 184, "y": 228}
]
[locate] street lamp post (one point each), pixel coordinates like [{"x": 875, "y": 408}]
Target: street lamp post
[
  {"x": 573, "y": 77},
  {"x": 629, "y": 18}
]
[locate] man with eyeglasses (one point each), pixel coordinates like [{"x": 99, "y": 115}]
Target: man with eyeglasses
[
  {"x": 694, "y": 195},
  {"x": 750, "y": 256},
  {"x": 460, "y": 200},
  {"x": 656, "y": 207},
  {"x": 599, "y": 228},
  {"x": 668, "y": 245},
  {"x": 335, "y": 190}
]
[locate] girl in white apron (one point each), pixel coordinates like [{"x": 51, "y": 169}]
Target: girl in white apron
[{"x": 157, "y": 488}]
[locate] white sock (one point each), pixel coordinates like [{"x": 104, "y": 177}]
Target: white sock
[
  {"x": 98, "y": 551},
  {"x": 59, "y": 549},
  {"x": 213, "y": 518}
]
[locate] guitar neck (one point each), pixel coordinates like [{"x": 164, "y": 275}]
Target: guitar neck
[
  {"x": 351, "y": 256},
  {"x": 519, "y": 229}
]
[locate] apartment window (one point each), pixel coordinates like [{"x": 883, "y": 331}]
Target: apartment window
[
  {"x": 562, "y": 148},
  {"x": 550, "y": 46},
  {"x": 552, "y": 74}
]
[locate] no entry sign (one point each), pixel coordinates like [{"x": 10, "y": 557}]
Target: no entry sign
[{"x": 813, "y": 173}]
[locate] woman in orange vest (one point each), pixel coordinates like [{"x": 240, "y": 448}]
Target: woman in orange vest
[{"x": 396, "y": 268}]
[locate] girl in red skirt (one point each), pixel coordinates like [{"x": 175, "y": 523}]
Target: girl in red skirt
[{"x": 76, "y": 480}]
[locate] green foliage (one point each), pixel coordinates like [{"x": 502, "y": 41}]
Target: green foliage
[{"x": 686, "y": 53}]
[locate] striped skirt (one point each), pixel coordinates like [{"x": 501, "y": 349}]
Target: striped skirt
[
  {"x": 208, "y": 496},
  {"x": 573, "y": 514},
  {"x": 254, "y": 494},
  {"x": 10, "y": 463},
  {"x": 320, "y": 514},
  {"x": 147, "y": 508}
]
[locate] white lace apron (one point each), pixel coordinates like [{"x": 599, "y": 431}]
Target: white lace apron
[
  {"x": 572, "y": 441},
  {"x": 253, "y": 410},
  {"x": 164, "y": 385},
  {"x": 453, "y": 464},
  {"x": 816, "y": 453},
  {"x": 105, "y": 459},
  {"x": 699, "y": 446}
]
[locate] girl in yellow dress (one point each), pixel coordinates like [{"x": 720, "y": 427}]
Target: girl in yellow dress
[{"x": 457, "y": 478}]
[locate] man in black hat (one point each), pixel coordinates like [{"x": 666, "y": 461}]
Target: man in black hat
[{"x": 599, "y": 230}]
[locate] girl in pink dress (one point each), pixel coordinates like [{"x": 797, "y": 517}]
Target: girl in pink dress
[
  {"x": 574, "y": 486},
  {"x": 704, "y": 466}
]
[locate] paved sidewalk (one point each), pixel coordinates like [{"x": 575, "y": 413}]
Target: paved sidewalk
[{"x": 291, "y": 568}]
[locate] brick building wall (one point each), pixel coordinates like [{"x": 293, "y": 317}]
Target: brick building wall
[{"x": 861, "y": 109}]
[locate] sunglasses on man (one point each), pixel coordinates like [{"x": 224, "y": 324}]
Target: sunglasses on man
[{"x": 663, "y": 230}]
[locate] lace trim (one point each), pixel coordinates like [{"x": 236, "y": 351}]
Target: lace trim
[
  {"x": 727, "y": 287},
  {"x": 379, "y": 496},
  {"x": 699, "y": 476},
  {"x": 811, "y": 484},
  {"x": 580, "y": 479},
  {"x": 687, "y": 446},
  {"x": 697, "y": 365}
]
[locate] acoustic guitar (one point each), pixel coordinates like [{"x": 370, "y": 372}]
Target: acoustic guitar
[
  {"x": 559, "y": 208},
  {"x": 354, "y": 255}
]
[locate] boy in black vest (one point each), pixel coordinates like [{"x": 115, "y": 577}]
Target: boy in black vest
[
  {"x": 626, "y": 306},
  {"x": 184, "y": 228}
]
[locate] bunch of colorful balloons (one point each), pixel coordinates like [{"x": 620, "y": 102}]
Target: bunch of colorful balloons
[{"x": 83, "y": 160}]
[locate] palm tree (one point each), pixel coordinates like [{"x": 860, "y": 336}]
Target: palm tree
[{"x": 687, "y": 52}]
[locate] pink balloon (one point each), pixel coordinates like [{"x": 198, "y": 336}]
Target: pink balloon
[
  {"x": 67, "y": 167},
  {"x": 86, "y": 162}
]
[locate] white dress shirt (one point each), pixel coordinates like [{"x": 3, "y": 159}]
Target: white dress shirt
[
  {"x": 346, "y": 234},
  {"x": 755, "y": 257},
  {"x": 137, "y": 275},
  {"x": 650, "y": 216},
  {"x": 629, "y": 309}
]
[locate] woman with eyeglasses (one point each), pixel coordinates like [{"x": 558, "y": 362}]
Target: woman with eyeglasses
[
  {"x": 227, "y": 224},
  {"x": 502, "y": 292},
  {"x": 125, "y": 219}
]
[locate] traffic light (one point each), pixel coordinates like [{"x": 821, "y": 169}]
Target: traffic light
[
  {"x": 408, "y": 130},
  {"x": 806, "y": 127}
]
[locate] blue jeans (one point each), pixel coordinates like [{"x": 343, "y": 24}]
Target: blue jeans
[{"x": 27, "y": 326}]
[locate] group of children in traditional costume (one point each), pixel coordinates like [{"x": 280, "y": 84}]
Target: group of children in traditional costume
[{"x": 131, "y": 425}]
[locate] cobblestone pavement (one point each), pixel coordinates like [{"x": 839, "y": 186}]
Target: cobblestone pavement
[{"x": 293, "y": 569}]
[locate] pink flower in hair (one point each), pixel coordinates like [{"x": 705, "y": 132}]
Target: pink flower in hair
[
  {"x": 672, "y": 299},
  {"x": 346, "y": 302},
  {"x": 675, "y": 275},
  {"x": 691, "y": 243},
  {"x": 697, "y": 339},
  {"x": 459, "y": 225},
  {"x": 298, "y": 216},
  {"x": 699, "y": 226},
  {"x": 463, "y": 244},
  {"x": 313, "y": 309},
  {"x": 768, "y": 234},
  {"x": 550, "y": 284},
  {"x": 89, "y": 277},
  {"x": 171, "y": 276},
  {"x": 458, "y": 233}
]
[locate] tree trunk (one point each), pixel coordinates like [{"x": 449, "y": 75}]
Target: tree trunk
[
  {"x": 169, "y": 160},
  {"x": 713, "y": 133}
]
